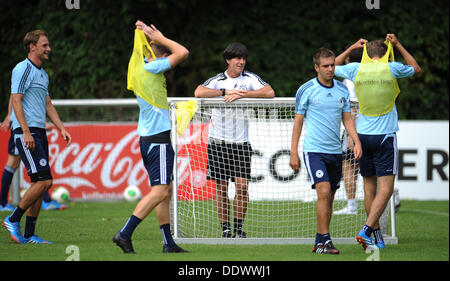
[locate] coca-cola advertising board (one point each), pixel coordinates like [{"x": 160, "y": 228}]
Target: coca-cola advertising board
[{"x": 104, "y": 159}]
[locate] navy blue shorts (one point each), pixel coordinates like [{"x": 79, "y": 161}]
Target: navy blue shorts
[
  {"x": 35, "y": 161},
  {"x": 324, "y": 167},
  {"x": 12, "y": 149},
  {"x": 158, "y": 161},
  {"x": 228, "y": 160},
  {"x": 380, "y": 155}
]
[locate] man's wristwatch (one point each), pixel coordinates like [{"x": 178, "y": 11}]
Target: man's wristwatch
[{"x": 223, "y": 92}]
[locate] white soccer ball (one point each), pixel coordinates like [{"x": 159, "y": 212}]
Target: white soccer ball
[
  {"x": 60, "y": 194},
  {"x": 132, "y": 193}
]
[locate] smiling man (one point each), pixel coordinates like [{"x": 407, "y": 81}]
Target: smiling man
[
  {"x": 322, "y": 103},
  {"x": 32, "y": 105},
  {"x": 229, "y": 149}
]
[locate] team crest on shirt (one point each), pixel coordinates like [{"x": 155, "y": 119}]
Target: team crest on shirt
[
  {"x": 43, "y": 162},
  {"x": 241, "y": 86},
  {"x": 341, "y": 102},
  {"x": 319, "y": 174}
]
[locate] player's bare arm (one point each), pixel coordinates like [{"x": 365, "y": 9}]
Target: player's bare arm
[
  {"x": 340, "y": 60},
  {"x": 179, "y": 52},
  {"x": 204, "y": 92},
  {"x": 6, "y": 124},
  {"x": 294, "y": 160},
  {"x": 264, "y": 92},
  {"x": 16, "y": 100},
  {"x": 409, "y": 59},
  {"x": 349, "y": 125}
]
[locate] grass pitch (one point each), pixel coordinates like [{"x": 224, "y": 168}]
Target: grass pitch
[{"x": 422, "y": 230}]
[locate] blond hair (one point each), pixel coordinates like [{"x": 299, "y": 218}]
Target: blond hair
[{"x": 32, "y": 37}]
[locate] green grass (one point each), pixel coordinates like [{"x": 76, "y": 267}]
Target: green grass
[{"x": 422, "y": 230}]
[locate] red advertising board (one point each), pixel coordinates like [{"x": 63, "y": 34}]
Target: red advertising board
[{"x": 104, "y": 159}]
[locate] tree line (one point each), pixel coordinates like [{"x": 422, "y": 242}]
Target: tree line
[{"x": 91, "y": 46}]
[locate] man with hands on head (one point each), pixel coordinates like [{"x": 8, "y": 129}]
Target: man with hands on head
[
  {"x": 155, "y": 144},
  {"x": 377, "y": 89}
]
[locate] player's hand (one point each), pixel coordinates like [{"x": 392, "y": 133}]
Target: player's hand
[
  {"x": 4, "y": 126},
  {"x": 67, "y": 137},
  {"x": 294, "y": 162},
  {"x": 28, "y": 140},
  {"x": 232, "y": 95},
  {"x": 390, "y": 37},
  {"x": 360, "y": 43},
  {"x": 357, "y": 151},
  {"x": 152, "y": 33},
  {"x": 48, "y": 126},
  {"x": 350, "y": 143}
]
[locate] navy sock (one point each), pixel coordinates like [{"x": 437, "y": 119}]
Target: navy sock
[
  {"x": 368, "y": 230},
  {"x": 225, "y": 226},
  {"x": 46, "y": 197},
  {"x": 326, "y": 237},
  {"x": 322, "y": 238},
  {"x": 7, "y": 177},
  {"x": 378, "y": 235},
  {"x": 30, "y": 226},
  {"x": 318, "y": 238},
  {"x": 167, "y": 235},
  {"x": 130, "y": 226},
  {"x": 238, "y": 224},
  {"x": 17, "y": 214}
]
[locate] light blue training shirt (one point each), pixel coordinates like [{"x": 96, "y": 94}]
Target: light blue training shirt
[
  {"x": 376, "y": 125},
  {"x": 153, "y": 120},
  {"x": 323, "y": 107},
  {"x": 32, "y": 82}
]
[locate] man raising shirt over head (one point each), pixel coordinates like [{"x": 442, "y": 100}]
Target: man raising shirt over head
[{"x": 377, "y": 89}]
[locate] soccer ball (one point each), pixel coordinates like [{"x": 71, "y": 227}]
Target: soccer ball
[
  {"x": 132, "y": 193},
  {"x": 60, "y": 194}
]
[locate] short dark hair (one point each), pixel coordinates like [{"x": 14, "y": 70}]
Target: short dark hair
[
  {"x": 32, "y": 37},
  {"x": 356, "y": 55},
  {"x": 376, "y": 48},
  {"x": 322, "y": 53},
  {"x": 235, "y": 50},
  {"x": 159, "y": 50}
]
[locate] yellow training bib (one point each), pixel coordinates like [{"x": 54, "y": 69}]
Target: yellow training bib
[
  {"x": 184, "y": 111},
  {"x": 375, "y": 86},
  {"x": 150, "y": 87}
]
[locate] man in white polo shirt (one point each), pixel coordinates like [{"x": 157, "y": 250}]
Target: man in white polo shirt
[{"x": 229, "y": 149}]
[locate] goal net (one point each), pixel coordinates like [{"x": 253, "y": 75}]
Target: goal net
[{"x": 281, "y": 205}]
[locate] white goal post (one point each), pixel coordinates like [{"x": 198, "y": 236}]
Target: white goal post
[{"x": 281, "y": 207}]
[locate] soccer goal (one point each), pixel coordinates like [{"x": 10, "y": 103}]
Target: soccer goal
[{"x": 281, "y": 203}]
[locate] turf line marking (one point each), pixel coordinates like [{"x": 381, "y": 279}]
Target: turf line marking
[{"x": 428, "y": 212}]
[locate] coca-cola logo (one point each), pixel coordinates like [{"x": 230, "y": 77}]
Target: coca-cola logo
[{"x": 100, "y": 157}]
